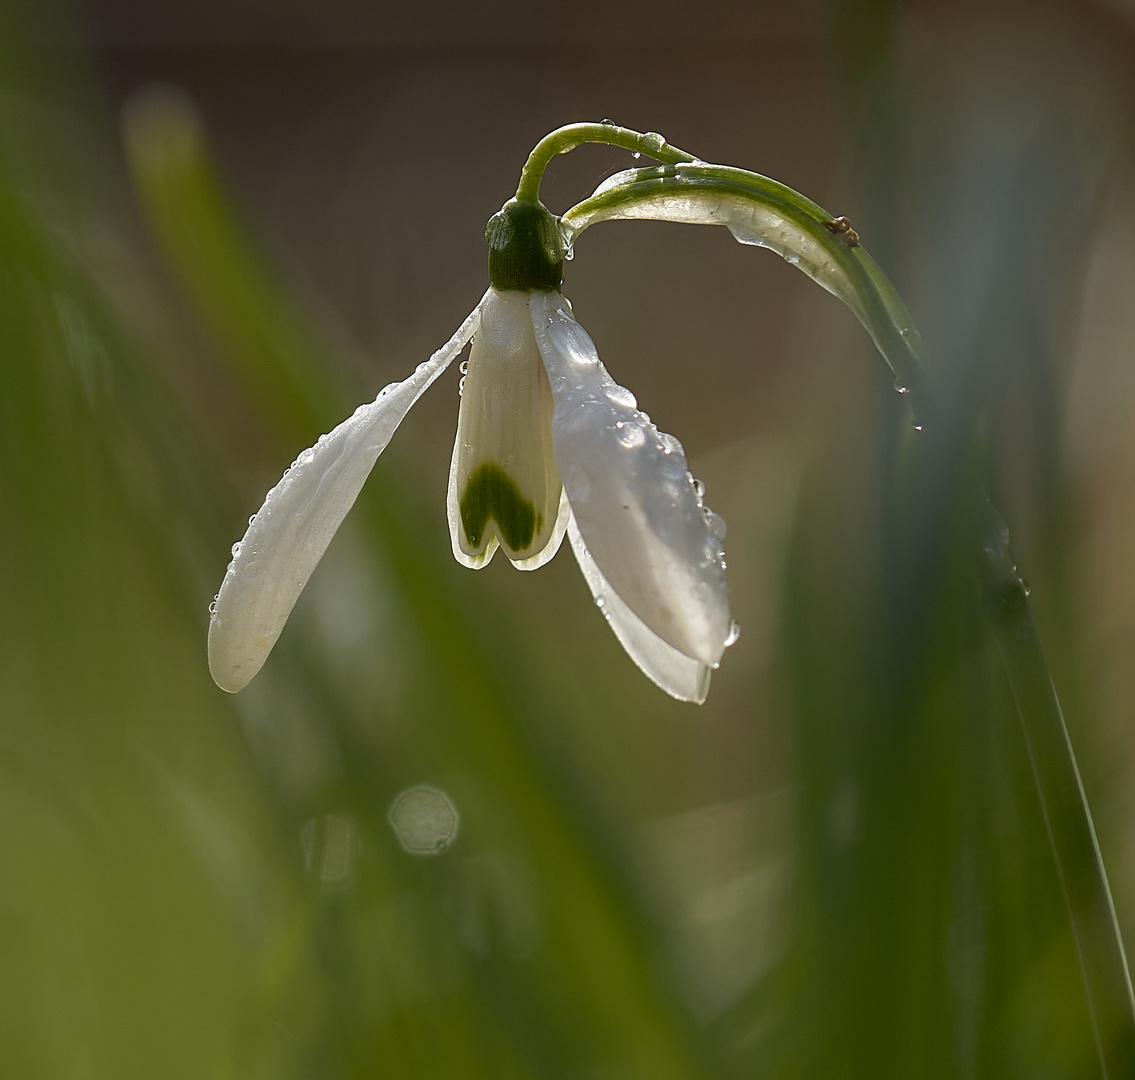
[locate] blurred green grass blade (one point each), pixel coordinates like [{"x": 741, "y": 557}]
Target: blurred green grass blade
[
  {"x": 272, "y": 354},
  {"x": 126, "y": 950}
]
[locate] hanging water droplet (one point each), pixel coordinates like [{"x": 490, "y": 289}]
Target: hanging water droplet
[
  {"x": 635, "y": 154},
  {"x": 734, "y": 633},
  {"x": 461, "y": 386},
  {"x": 569, "y": 252},
  {"x": 699, "y": 487},
  {"x": 464, "y": 368},
  {"x": 1025, "y": 586},
  {"x": 252, "y": 520},
  {"x": 715, "y": 523},
  {"x": 213, "y": 606},
  {"x": 236, "y": 549},
  {"x": 900, "y": 389}
]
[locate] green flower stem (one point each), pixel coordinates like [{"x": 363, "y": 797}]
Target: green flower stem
[
  {"x": 568, "y": 138},
  {"x": 761, "y": 211}
]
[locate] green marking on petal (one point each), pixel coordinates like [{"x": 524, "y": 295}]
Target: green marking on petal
[{"x": 491, "y": 494}]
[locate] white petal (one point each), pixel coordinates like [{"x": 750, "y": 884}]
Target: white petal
[
  {"x": 289, "y": 534},
  {"x": 503, "y": 485},
  {"x": 637, "y": 507},
  {"x": 674, "y": 672}
]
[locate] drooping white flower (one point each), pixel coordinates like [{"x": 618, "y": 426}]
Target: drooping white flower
[{"x": 547, "y": 444}]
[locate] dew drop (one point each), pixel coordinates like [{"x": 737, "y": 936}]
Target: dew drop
[
  {"x": 716, "y": 525},
  {"x": 653, "y": 141},
  {"x": 1026, "y": 586},
  {"x": 635, "y": 154},
  {"x": 236, "y": 549},
  {"x": 917, "y": 427},
  {"x": 464, "y": 369},
  {"x": 630, "y": 435},
  {"x": 213, "y": 606},
  {"x": 900, "y": 389},
  {"x": 734, "y": 633},
  {"x": 699, "y": 488},
  {"x": 252, "y": 520},
  {"x": 569, "y": 252}
]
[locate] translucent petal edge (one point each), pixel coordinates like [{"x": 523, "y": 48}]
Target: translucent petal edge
[
  {"x": 289, "y": 534},
  {"x": 670, "y": 670}
]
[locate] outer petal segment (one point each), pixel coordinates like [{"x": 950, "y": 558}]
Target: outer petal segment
[
  {"x": 637, "y": 507},
  {"x": 288, "y": 535},
  {"x": 672, "y": 671},
  {"x": 503, "y": 485}
]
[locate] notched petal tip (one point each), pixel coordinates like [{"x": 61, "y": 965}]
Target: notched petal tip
[{"x": 288, "y": 535}]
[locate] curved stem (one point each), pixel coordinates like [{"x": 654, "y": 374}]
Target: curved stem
[{"x": 569, "y": 137}]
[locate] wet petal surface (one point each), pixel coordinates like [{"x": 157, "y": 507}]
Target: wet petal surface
[
  {"x": 639, "y": 512},
  {"x": 288, "y": 535}
]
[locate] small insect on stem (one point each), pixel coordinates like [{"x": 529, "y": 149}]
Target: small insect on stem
[{"x": 842, "y": 228}]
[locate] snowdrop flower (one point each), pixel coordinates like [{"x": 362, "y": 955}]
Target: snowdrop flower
[{"x": 547, "y": 444}]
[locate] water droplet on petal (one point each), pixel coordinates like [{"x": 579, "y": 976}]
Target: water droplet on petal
[
  {"x": 716, "y": 525},
  {"x": 464, "y": 369},
  {"x": 630, "y": 435},
  {"x": 699, "y": 487},
  {"x": 734, "y": 633},
  {"x": 899, "y": 388},
  {"x": 653, "y": 141}
]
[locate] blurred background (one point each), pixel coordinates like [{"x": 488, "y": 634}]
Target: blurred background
[{"x": 450, "y": 830}]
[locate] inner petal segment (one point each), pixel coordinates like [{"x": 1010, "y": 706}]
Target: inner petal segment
[{"x": 504, "y": 489}]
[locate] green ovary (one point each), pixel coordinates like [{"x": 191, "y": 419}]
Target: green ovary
[{"x": 491, "y": 494}]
